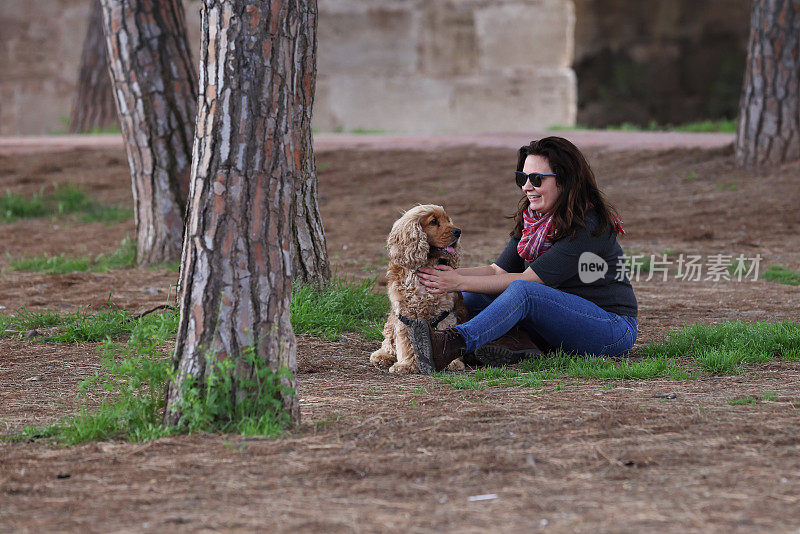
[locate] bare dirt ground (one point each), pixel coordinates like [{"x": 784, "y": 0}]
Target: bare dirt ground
[{"x": 378, "y": 453}]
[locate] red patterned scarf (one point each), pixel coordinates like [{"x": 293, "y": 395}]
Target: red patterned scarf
[{"x": 538, "y": 233}]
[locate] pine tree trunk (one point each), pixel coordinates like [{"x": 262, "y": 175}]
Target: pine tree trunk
[
  {"x": 154, "y": 89},
  {"x": 93, "y": 107},
  {"x": 769, "y": 109},
  {"x": 252, "y": 154},
  {"x": 309, "y": 248}
]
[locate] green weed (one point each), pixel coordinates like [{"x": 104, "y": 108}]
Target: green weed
[
  {"x": 134, "y": 373},
  {"x": 63, "y": 200},
  {"x": 106, "y": 214},
  {"x": 721, "y": 126},
  {"x": 739, "y": 401},
  {"x": 13, "y": 207},
  {"x": 691, "y": 177},
  {"x": 339, "y": 307},
  {"x": 132, "y": 379},
  {"x": 681, "y": 355},
  {"x": 729, "y": 186},
  {"x": 333, "y": 418},
  {"x": 782, "y": 275},
  {"x": 217, "y": 404},
  {"x": 768, "y": 396},
  {"x": 80, "y": 327},
  {"x": 723, "y": 348},
  {"x": 122, "y": 258},
  {"x": 367, "y": 131}
]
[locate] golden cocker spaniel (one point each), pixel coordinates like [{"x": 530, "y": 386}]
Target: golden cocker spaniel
[{"x": 423, "y": 236}]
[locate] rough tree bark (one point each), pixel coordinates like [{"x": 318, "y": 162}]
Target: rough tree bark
[
  {"x": 93, "y": 107},
  {"x": 252, "y": 154},
  {"x": 155, "y": 92},
  {"x": 309, "y": 248},
  {"x": 769, "y": 109}
]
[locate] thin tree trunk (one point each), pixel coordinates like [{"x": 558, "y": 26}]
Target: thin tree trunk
[
  {"x": 253, "y": 149},
  {"x": 154, "y": 89},
  {"x": 93, "y": 107},
  {"x": 769, "y": 109}
]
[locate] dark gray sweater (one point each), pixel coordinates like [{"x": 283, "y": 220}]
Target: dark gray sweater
[{"x": 558, "y": 267}]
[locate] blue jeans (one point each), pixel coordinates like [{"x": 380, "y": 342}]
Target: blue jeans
[{"x": 554, "y": 319}]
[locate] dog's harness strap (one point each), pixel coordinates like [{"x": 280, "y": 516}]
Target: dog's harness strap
[{"x": 406, "y": 321}]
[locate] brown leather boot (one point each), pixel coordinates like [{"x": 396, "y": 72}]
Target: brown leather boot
[
  {"x": 511, "y": 348},
  {"x": 435, "y": 348}
]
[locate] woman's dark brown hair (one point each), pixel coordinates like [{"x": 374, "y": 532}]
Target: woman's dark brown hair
[{"x": 579, "y": 191}]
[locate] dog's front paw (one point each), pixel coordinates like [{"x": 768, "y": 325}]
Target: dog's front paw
[
  {"x": 381, "y": 358},
  {"x": 404, "y": 368},
  {"x": 456, "y": 365}
]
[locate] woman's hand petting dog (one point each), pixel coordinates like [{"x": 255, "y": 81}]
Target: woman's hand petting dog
[{"x": 439, "y": 279}]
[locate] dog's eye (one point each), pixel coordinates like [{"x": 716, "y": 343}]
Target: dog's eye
[{"x": 434, "y": 222}]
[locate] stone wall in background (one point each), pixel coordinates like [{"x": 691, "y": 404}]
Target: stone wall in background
[
  {"x": 40, "y": 49},
  {"x": 669, "y": 61},
  {"x": 445, "y": 65},
  {"x": 392, "y": 65}
]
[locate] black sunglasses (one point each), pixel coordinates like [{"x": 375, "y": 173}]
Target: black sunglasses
[{"x": 535, "y": 178}]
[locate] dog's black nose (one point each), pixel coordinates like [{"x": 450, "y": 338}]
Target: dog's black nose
[{"x": 456, "y": 232}]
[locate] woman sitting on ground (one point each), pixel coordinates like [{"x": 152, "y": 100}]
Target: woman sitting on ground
[{"x": 561, "y": 278}]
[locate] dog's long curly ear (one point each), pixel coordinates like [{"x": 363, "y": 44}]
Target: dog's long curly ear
[
  {"x": 457, "y": 256},
  {"x": 407, "y": 243}
]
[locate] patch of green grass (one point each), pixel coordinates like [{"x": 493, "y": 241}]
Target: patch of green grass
[
  {"x": 331, "y": 419},
  {"x": 115, "y": 129},
  {"x": 723, "y": 348},
  {"x": 691, "y": 177},
  {"x": 768, "y": 396},
  {"x": 51, "y": 264},
  {"x": 106, "y": 214},
  {"x": 134, "y": 373},
  {"x": 13, "y": 207},
  {"x": 80, "y": 327},
  {"x": 122, "y": 258},
  {"x": 706, "y": 126},
  {"x": 739, "y": 401},
  {"x": 564, "y": 128},
  {"x": 170, "y": 266},
  {"x": 339, "y": 307},
  {"x": 63, "y": 200},
  {"x": 132, "y": 378},
  {"x": 720, "y": 126},
  {"x": 782, "y": 275},
  {"x": 217, "y": 405},
  {"x": 729, "y": 186},
  {"x": 25, "y": 320},
  {"x": 681, "y": 355},
  {"x": 652, "y": 126},
  {"x": 67, "y": 199},
  {"x": 367, "y": 131}
]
